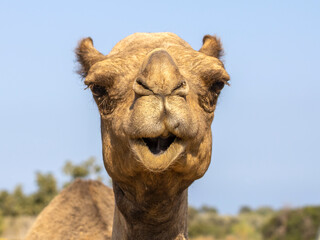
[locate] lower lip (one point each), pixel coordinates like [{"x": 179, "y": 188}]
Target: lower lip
[{"x": 157, "y": 162}]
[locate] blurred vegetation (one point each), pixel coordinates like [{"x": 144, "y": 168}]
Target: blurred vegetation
[
  {"x": 256, "y": 224},
  {"x": 205, "y": 223},
  {"x": 245, "y": 226},
  {"x": 1, "y": 222},
  {"x": 85, "y": 170},
  {"x": 18, "y": 203},
  {"x": 296, "y": 224}
]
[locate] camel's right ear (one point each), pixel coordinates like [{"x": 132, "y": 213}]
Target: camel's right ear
[{"x": 87, "y": 55}]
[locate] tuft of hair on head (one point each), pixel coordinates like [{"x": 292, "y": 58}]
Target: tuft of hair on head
[
  {"x": 212, "y": 46},
  {"x": 87, "y": 55}
]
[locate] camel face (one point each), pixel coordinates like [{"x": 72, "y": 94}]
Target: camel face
[{"x": 156, "y": 97}]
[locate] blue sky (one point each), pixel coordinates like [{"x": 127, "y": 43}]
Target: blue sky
[{"x": 266, "y": 130}]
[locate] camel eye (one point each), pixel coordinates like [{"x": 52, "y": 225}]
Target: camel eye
[
  {"x": 216, "y": 87},
  {"x": 98, "y": 90}
]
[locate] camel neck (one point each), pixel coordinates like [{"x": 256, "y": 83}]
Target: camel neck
[{"x": 158, "y": 219}]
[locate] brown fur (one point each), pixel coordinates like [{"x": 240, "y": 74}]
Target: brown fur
[
  {"x": 156, "y": 97},
  {"x": 87, "y": 55},
  {"x": 83, "y": 211},
  {"x": 212, "y": 46}
]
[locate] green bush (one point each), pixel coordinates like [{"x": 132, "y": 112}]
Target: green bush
[
  {"x": 14, "y": 204},
  {"x": 206, "y": 222},
  {"x": 17, "y": 203},
  {"x": 208, "y": 228},
  {"x": 86, "y": 169},
  {"x": 264, "y": 211},
  {"x": 47, "y": 190},
  {"x": 298, "y": 224},
  {"x": 245, "y": 209}
]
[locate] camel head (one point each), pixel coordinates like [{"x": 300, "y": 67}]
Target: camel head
[{"x": 156, "y": 97}]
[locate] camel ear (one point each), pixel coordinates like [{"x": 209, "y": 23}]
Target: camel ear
[
  {"x": 87, "y": 55},
  {"x": 211, "y": 46}
]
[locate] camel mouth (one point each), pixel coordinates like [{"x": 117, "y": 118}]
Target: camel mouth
[
  {"x": 158, "y": 153},
  {"x": 160, "y": 144}
]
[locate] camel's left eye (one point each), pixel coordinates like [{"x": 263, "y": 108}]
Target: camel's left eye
[
  {"x": 216, "y": 87},
  {"x": 98, "y": 90}
]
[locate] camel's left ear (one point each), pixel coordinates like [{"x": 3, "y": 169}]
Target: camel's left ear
[{"x": 211, "y": 46}]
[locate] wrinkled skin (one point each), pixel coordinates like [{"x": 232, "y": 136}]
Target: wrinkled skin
[{"x": 156, "y": 97}]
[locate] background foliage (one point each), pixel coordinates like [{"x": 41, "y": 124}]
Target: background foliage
[
  {"x": 1, "y": 222},
  {"x": 204, "y": 222}
]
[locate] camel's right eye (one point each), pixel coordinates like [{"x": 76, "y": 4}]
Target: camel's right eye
[{"x": 98, "y": 90}]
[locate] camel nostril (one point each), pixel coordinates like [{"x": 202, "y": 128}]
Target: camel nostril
[
  {"x": 180, "y": 85},
  {"x": 181, "y": 89},
  {"x": 142, "y": 84},
  {"x": 141, "y": 88}
]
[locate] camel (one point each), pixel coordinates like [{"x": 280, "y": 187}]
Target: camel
[{"x": 156, "y": 98}]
